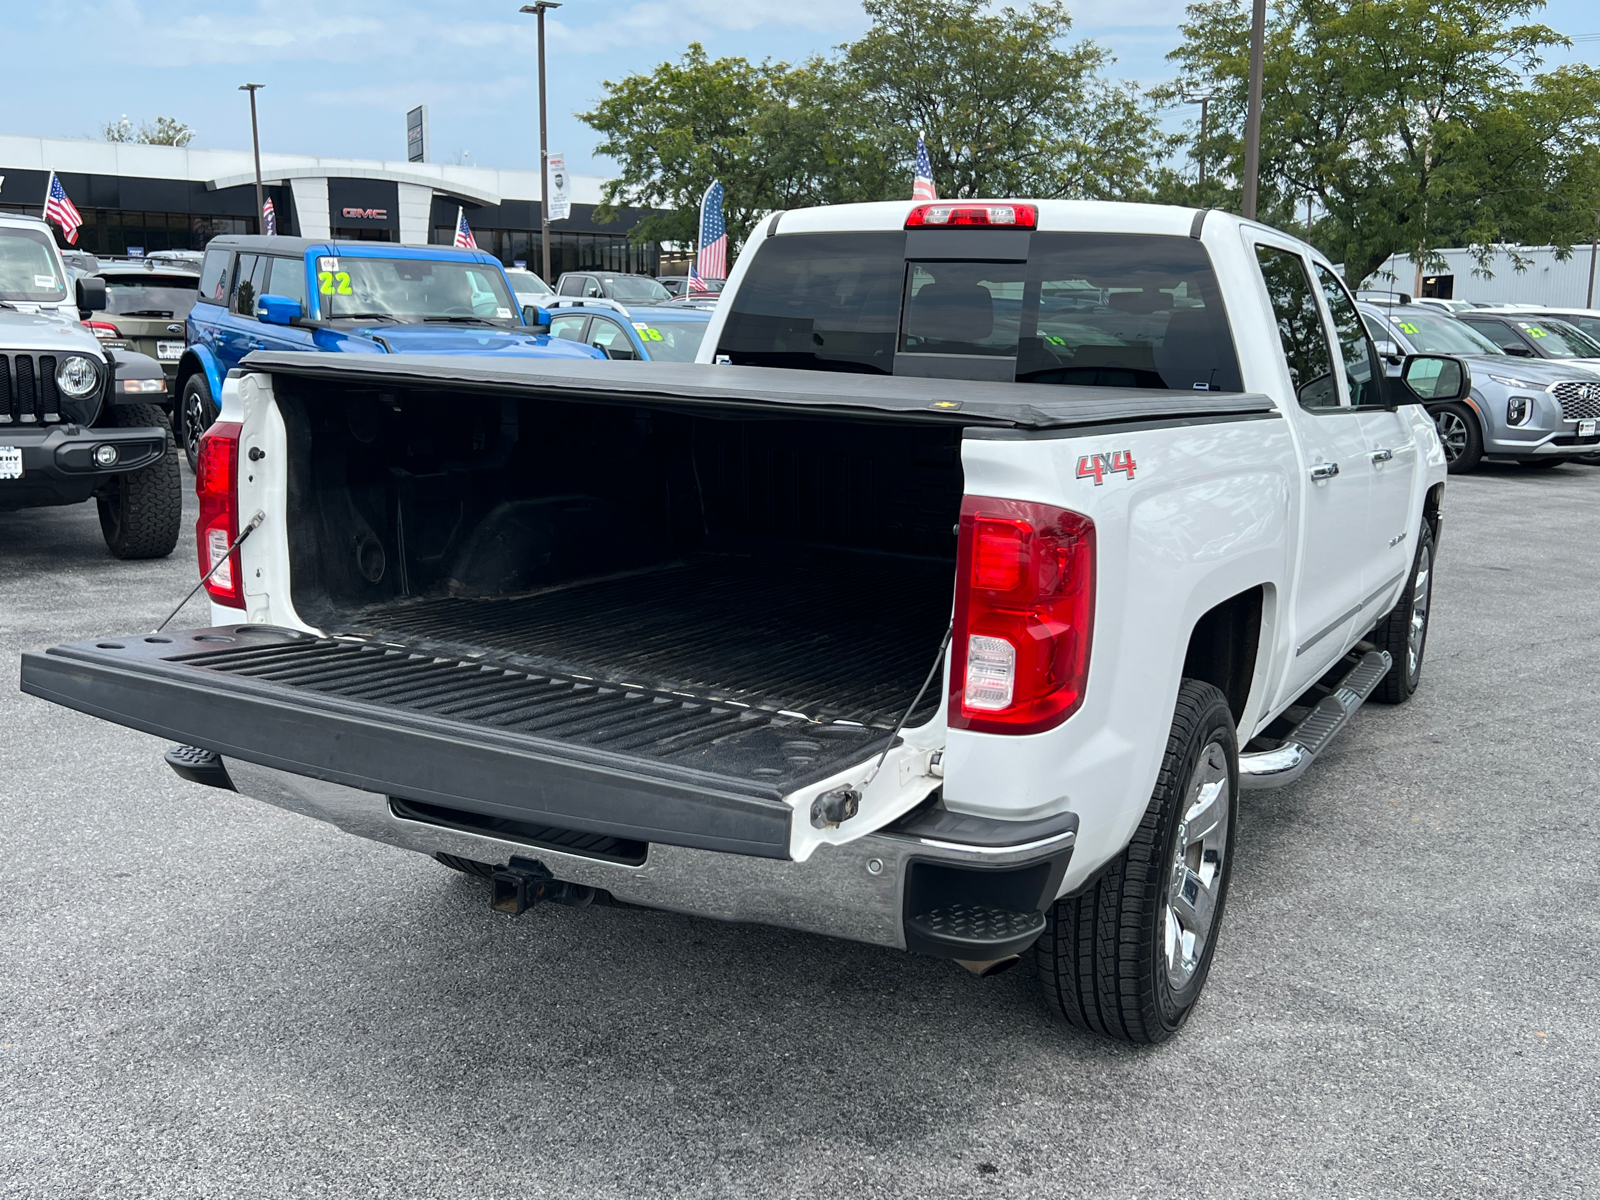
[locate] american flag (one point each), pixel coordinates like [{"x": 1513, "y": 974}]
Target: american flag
[
  {"x": 464, "y": 239},
  {"x": 712, "y": 261},
  {"x": 269, "y": 219},
  {"x": 59, "y": 209},
  {"x": 696, "y": 284},
  {"x": 922, "y": 185}
]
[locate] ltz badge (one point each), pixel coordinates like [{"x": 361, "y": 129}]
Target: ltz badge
[{"x": 1098, "y": 466}]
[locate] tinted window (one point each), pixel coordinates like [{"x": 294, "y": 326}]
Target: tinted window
[
  {"x": 1124, "y": 310},
  {"x": 1108, "y": 310},
  {"x": 288, "y": 278},
  {"x": 636, "y": 289},
  {"x": 1305, "y": 343},
  {"x": 149, "y": 295},
  {"x": 250, "y": 282},
  {"x": 827, "y": 301},
  {"x": 572, "y": 285},
  {"x": 570, "y": 328},
  {"x": 607, "y": 335},
  {"x": 1351, "y": 338},
  {"x": 214, "y": 276},
  {"x": 1497, "y": 333}
]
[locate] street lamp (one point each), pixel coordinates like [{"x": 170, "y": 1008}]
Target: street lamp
[
  {"x": 538, "y": 10},
  {"x": 255, "y": 140},
  {"x": 1203, "y": 100},
  {"x": 1252, "y": 121}
]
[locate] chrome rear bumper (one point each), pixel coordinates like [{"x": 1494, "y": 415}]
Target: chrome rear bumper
[{"x": 853, "y": 891}]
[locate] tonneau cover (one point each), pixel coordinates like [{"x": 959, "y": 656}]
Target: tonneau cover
[{"x": 693, "y": 385}]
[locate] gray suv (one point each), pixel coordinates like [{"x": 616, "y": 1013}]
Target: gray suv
[{"x": 1537, "y": 412}]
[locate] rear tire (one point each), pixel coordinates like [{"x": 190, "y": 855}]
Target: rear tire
[
  {"x": 196, "y": 412},
  {"x": 1128, "y": 956},
  {"x": 1461, "y": 436},
  {"x": 1404, "y": 632},
  {"x": 141, "y": 512},
  {"x": 466, "y": 866}
]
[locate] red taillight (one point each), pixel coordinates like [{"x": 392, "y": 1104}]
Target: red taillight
[
  {"x": 103, "y": 330},
  {"x": 1024, "y": 616},
  {"x": 216, "y": 483},
  {"x": 993, "y": 214}
]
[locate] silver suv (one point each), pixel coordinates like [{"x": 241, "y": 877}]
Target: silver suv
[{"x": 1534, "y": 411}]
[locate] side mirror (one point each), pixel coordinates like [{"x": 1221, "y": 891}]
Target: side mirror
[
  {"x": 279, "y": 310},
  {"x": 91, "y": 294},
  {"x": 535, "y": 317},
  {"x": 1434, "y": 378},
  {"x": 1519, "y": 351}
]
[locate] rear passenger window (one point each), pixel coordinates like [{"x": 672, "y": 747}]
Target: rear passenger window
[
  {"x": 288, "y": 279},
  {"x": 570, "y": 328},
  {"x": 1305, "y": 342},
  {"x": 250, "y": 283},
  {"x": 214, "y": 276}
]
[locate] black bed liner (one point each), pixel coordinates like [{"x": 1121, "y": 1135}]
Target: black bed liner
[{"x": 696, "y": 387}]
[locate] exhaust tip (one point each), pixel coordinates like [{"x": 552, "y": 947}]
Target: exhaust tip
[{"x": 985, "y": 968}]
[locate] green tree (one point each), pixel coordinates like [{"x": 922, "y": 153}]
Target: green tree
[
  {"x": 1415, "y": 124},
  {"x": 164, "y": 131},
  {"x": 1008, "y": 106}
]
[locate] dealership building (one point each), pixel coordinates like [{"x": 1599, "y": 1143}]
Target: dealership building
[{"x": 137, "y": 198}]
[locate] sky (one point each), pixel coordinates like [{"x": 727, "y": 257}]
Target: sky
[{"x": 339, "y": 77}]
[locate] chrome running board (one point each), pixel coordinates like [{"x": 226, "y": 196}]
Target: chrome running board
[{"x": 1282, "y": 766}]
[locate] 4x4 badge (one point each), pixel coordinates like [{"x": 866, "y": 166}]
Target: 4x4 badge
[{"x": 1098, "y": 466}]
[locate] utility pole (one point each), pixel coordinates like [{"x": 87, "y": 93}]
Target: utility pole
[
  {"x": 538, "y": 10},
  {"x": 1252, "y": 121},
  {"x": 255, "y": 140},
  {"x": 1204, "y": 101},
  {"x": 1594, "y": 252}
]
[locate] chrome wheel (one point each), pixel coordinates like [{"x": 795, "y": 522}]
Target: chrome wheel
[
  {"x": 1452, "y": 433},
  {"x": 1421, "y": 593},
  {"x": 1195, "y": 884}
]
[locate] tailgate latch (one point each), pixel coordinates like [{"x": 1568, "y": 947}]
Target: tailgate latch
[{"x": 832, "y": 809}]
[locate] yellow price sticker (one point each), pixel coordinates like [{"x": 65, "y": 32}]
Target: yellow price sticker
[
  {"x": 1535, "y": 331},
  {"x": 333, "y": 283},
  {"x": 1407, "y": 327},
  {"x": 647, "y": 334}
]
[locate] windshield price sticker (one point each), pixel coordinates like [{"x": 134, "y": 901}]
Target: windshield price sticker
[
  {"x": 10, "y": 462},
  {"x": 327, "y": 264},
  {"x": 334, "y": 283},
  {"x": 1098, "y": 466},
  {"x": 44, "y": 282},
  {"x": 647, "y": 334}
]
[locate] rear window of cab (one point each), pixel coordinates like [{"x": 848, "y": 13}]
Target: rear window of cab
[{"x": 1101, "y": 310}]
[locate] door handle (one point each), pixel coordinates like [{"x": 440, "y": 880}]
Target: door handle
[
  {"x": 1382, "y": 456},
  {"x": 1324, "y": 471}
]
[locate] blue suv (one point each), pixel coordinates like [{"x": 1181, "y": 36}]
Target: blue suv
[{"x": 284, "y": 293}]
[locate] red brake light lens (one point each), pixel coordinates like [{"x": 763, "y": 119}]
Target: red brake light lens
[
  {"x": 992, "y": 214},
  {"x": 103, "y": 330},
  {"x": 216, "y": 481},
  {"x": 1024, "y": 616}
]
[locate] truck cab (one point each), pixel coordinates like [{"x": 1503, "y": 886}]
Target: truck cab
[{"x": 285, "y": 293}]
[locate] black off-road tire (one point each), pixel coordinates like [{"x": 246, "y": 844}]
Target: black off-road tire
[
  {"x": 1393, "y": 633},
  {"x": 141, "y": 512},
  {"x": 1102, "y": 957},
  {"x": 1462, "y": 436},
  {"x": 196, "y": 411}
]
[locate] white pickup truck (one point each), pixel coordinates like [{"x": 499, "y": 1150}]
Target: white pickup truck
[{"x": 947, "y": 609}]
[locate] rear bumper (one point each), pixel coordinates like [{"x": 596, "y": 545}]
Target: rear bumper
[{"x": 855, "y": 890}]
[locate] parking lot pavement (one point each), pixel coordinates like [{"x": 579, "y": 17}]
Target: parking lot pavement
[{"x": 204, "y": 996}]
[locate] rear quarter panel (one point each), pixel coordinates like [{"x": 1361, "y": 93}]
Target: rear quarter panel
[{"x": 1209, "y": 512}]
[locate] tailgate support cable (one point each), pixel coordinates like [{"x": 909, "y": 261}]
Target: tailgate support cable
[
  {"x": 832, "y": 809},
  {"x": 254, "y": 524}
]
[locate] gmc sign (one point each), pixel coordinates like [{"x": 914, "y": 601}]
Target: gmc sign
[{"x": 368, "y": 214}]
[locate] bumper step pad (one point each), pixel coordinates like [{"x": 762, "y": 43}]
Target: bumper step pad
[{"x": 978, "y": 931}]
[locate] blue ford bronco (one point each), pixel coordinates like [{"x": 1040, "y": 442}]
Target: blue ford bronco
[{"x": 287, "y": 293}]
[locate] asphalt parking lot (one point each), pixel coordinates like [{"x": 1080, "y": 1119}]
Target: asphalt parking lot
[{"x": 204, "y": 996}]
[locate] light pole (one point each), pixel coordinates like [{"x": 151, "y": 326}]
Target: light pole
[
  {"x": 538, "y": 10},
  {"x": 1252, "y": 121},
  {"x": 255, "y": 140},
  {"x": 1204, "y": 101}
]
